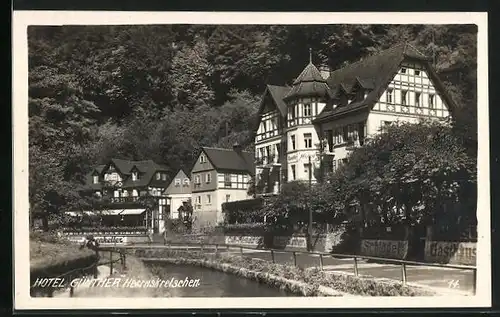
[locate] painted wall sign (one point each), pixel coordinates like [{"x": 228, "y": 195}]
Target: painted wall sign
[
  {"x": 384, "y": 248},
  {"x": 243, "y": 240},
  {"x": 451, "y": 252},
  {"x": 103, "y": 240}
]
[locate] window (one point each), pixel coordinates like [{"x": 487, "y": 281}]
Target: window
[
  {"x": 345, "y": 133},
  {"x": 403, "y": 70},
  {"x": 227, "y": 180},
  {"x": 431, "y": 101},
  {"x": 186, "y": 181},
  {"x": 292, "y": 138},
  {"x": 158, "y": 176},
  {"x": 417, "y": 72},
  {"x": 135, "y": 193},
  {"x": 338, "y": 136},
  {"x": 134, "y": 176},
  {"x": 228, "y": 198},
  {"x": 390, "y": 97},
  {"x": 385, "y": 124},
  {"x": 403, "y": 97},
  {"x": 116, "y": 193},
  {"x": 209, "y": 199},
  {"x": 417, "y": 99},
  {"x": 360, "y": 95},
  {"x": 307, "y": 140},
  {"x": 307, "y": 110},
  {"x": 208, "y": 178},
  {"x": 163, "y": 176},
  {"x": 329, "y": 137},
  {"x": 293, "y": 172},
  {"x": 177, "y": 182},
  {"x": 292, "y": 112},
  {"x": 198, "y": 200},
  {"x": 306, "y": 169},
  {"x": 98, "y": 194},
  {"x": 203, "y": 159},
  {"x": 96, "y": 179},
  {"x": 334, "y": 165},
  {"x": 344, "y": 161},
  {"x": 197, "y": 179}
]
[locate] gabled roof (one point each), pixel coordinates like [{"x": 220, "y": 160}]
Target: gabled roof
[
  {"x": 309, "y": 83},
  {"x": 374, "y": 71},
  {"x": 229, "y": 159},
  {"x": 147, "y": 169},
  {"x": 278, "y": 93}
]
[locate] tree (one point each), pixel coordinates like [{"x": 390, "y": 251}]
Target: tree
[{"x": 409, "y": 174}]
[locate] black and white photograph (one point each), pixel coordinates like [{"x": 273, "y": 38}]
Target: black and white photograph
[{"x": 222, "y": 160}]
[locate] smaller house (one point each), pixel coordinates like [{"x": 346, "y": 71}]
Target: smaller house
[
  {"x": 179, "y": 192},
  {"x": 123, "y": 188},
  {"x": 219, "y": 176}
]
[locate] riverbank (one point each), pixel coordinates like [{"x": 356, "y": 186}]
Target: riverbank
[
  {"x": 311, "y": 282},
  {"x": 135, "y": 270}
]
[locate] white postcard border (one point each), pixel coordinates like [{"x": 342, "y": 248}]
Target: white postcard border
[{"x": 21, "y": 19}]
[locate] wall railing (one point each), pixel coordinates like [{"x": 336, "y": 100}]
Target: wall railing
[{"x": 320, "y": 255}]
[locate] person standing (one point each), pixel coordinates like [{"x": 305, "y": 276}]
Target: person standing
[{"x": 150, "y": 235}]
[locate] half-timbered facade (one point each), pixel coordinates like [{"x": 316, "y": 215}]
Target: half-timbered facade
[
  {"x": 219, "y": 176},
  {"x": 323, "y": 116},
  {"x": 121, "y": 188}
]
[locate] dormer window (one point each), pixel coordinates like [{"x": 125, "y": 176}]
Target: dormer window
[
  {"x": 163, "y": 176},
  {"x": 158, "y": 176},
  {"x": 134, "y": 176},
  {"x": 360, "y": 95},
  {"x": 95, "y": 179}
]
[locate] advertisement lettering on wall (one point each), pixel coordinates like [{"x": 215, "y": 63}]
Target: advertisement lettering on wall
[
  {"x": 451, "y": 252},
  {"x": 384, "y": 248},
  {"x": 243, "y": 240}
]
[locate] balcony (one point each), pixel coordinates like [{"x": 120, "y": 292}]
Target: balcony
[
  {"x": 268, "y": 161},
  {"x": 123, "y": 200}
]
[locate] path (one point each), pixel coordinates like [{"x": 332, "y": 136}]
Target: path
[{"x": 443, "y": 280}]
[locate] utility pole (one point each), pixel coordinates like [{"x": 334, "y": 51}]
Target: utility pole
[{"x": 310, "y": 231}]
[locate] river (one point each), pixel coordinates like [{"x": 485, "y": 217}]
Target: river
[{"x": 213, "y": 283}]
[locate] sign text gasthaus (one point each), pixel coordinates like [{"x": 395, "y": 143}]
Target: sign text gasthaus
[
  {"x": 451, "y": 252},
  {"x": 384, "y": 248}
]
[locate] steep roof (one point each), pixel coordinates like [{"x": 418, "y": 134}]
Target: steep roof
[
  {"x": 226, "y": 159},
  {"x": 147, "y": 169},
  {"x": 277, "y": 94},
  {"x": 309, "y": 83},
  {"x": 373, "y": 72}
]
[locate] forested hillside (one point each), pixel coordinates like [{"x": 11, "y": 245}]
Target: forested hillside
[{"x": 162, "y": 92}]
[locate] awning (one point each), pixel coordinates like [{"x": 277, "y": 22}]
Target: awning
[
  {"x": 78, "y": 213},
  {"x": 132, "y": 211},
  {"x": 108, "y": 212}
]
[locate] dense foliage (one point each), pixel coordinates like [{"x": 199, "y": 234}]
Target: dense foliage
[{"x": 160, "y": 92}]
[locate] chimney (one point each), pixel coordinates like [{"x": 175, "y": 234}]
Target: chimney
[
  {"x": 324, "y": 71},
  {"x": 237, "y": 148}
]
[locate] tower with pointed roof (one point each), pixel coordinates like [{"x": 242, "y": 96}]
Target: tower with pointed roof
[{"x": 325, "y": 115}]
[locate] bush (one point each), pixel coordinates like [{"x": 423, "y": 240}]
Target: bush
[{"x": 48, "y": 237}]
